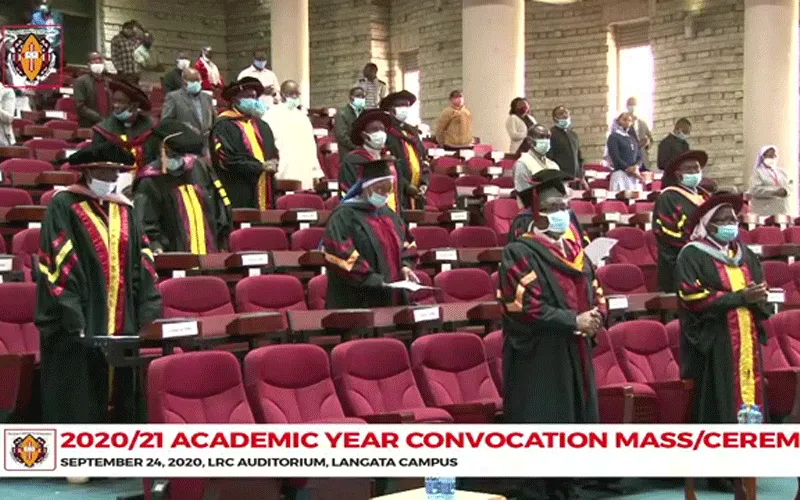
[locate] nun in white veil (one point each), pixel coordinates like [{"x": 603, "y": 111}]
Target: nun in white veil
[{"x": 769, "y": 185}]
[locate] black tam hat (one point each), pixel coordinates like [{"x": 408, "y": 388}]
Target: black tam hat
[
  {"x": 180, "y": 138},
  {"x": 390, "y": 100},
  {"x": 103, "y": 155},
  {"x": 133, "y": 92},
  {"x": 545, "y": 183},
  {"x": 233, "y": 89},
  {"x": 375, "y": 170}
]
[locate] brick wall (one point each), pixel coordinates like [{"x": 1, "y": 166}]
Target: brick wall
[{"x": 247, "y": 29}]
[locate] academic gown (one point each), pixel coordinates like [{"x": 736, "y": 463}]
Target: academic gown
[
  {"x": 240, "y": 146},
  {"x": 522, "y": 222},
  {"x": 352, "y": 169},
  {"x": 405, "y": 144},
  {"x": 673, "y": 208},
  {"x": 97, "y": 276},
  {"x": 721, "y": 335},
  {"x": 137, "y": 139},
  {"x": 547, "y": 369},
  {"x": 365, "y": 248},
  {"x": 182, "y": 211}
]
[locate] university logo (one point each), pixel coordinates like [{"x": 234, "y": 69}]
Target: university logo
[
  {"x": 31, "y": 56},
  {"x": 29, "y": 450}
]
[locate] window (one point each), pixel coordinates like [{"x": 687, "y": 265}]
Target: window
[
  {"x": 411, "y": 83},
  {"x": 636, "y": 79}
]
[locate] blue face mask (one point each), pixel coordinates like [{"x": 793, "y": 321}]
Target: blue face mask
[
  {"x": 293, "y": 102},
  {"x": 174, "y": 164},
  {"x": 691, "y": 181},
  {"x": 194, "y": 88},
  {"x": 249, "y": 106},
  {"x": 564, "y": 123},
  {"x": 542, "y": 146},
  {"x": 260, "y": 64},
  {"x": 124, "y": 115},
  {"x": 681, "y": 136},
  {"x": 558, "y": 222},
  {"x": 359, "y": 103},
  {"x": 377, "y": 200},
  {"x": 727, "y": 233}
]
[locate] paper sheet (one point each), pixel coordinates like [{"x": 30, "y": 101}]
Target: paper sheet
[
  {"x": 598, "y": 250},
  {"x": 408, "y": 285}
]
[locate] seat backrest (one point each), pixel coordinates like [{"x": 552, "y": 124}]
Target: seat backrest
[
  {"x": 44, "y": 200},
  {"x": 65, "y": 103},
  {"x": 631, "y": 247},
  {"x": 464, "y": 285},
  {"x": 674, "y": 336},
  {"x": 423, "y": 297},
  {"x": 772, "y": 355},
  {"x": 290, "y": 384},
  {"x": 473, "y": 237},
  {"x": 499, "y": 214},
  {"x": 18, "y": 334},
  {"x": 47, "y": 144},
  {"x": 374, "y": 376},
  {"x": 767, "y": 235},
  {"x": 62, "y": 124},
  {"x": 307, "y": 239},
  {"x": 263, "y": 239},
  {"x": 745, "y": 236},
  {"x": 792, "y": 234},
  {"x": 477, "y": 164},
  {"x": 195, "y": 296},
  {"x": 300, "y": 201},
  {"x": 493, "y": 343},
  {"x": 451, "y": 368},
  {"x": 503, "y": 182},
  {"x": 652, "y": 244},
  {"x": 621, "y": 279},
  {"x": 441, "y": 194},
  {"x": 643, "y": 351},
  {"x": 777, "y": 274},
  {"x": 270, "y": 292},
  {"x": 24, "y": 245},
  {"x": 604, "y": 361},
  {"x": 641, "y": 207},
  {"x": 27, "y": 165},
  {"x": 429, "y": 237},
  {"x": 582, "y": 207},
  {"x": 784, "y": 326},
  {"x": 471, "y": 181},
  {"x": 197, "y": 388},
  {"x": 317, "y": 290},
  {"x": 11, "y": 197},
  {"x": 612, "y": 206}
]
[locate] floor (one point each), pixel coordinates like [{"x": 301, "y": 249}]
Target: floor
[{"x": 108, "y": 489}]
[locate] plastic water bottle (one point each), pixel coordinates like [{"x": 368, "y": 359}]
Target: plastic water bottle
[
  {"x": 742, "y": 416},
  {"x": 440, "y": 488},
  {"x": 754, "y": 416}
]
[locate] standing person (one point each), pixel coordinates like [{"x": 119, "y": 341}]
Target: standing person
[
  {"x": 144, "y": 58},
  {"x": 405, "y": 144},
  {"x": 91, "y": 94},
  {"x": 518, "y": 122},
  {"x": 641, "y": 132},
  {"x": 264, "y": 75},
  {"x": 97, "y": 278},
  {"x": 209, "y": 73},
  {"x": 553, "y": 308},
  {"x": 8, "y": 104},
  {"x": 625, "y": 154},
  {"x": 243, "y": 148},
  {"x": 532, "y": 162},
  {"x": 123, "y": 45},
  {"x": 769, "y": 186},
  {"x": 173, "y": 79},
  {"x": 674, "y": 207},
  {"x": 565, "y": 147},
  {"x": 346, "y": 117},
  {"x": 176, "y": 200},
  {"x": 367, "y": 245},
  {"x": 374, "y": 89},
  {"x": 191, "y": 106},
  {"x": 454, "y": 130},
  {"x": 368, "y": 134},
  {"x": 672, "y": 146},
  {"x": 294, "y": 137}
]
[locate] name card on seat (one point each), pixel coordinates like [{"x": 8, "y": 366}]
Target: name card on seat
[
  {"x": 491, "y": 190},
  {"x": 415, "y": 315},
  {"x": 333, "y": 147},
  {"x": 600, "y": 194},
  {"x": 6, "y": 263},
  {"x": 436, "y": 152},
  {"x": 214, "y": 102},
  {"x": 467, "y": 154},
  {"x": 776, "y": 296},
  {"x": 496, "y": 170},
  {"x": 756, "y": 249},
  {"x": 1, "y": 176},
  {"x": 459, "y": 215},
  {"x": 611, "y": 217},
  {"x": 497, "y": 155},
  {"x": 170, "y": 328},
  {"x": 448, "y": 255},
  {"x": 59, "y": 115},
  {"x": 320, "y": 132},
  {"x": 255, "y": 259},
  {"x": 65, "y": 91},
  {"x": 300, "y": 216},
  {"x": 617, "y": 302},
  {"x": 255, "y": 324},
  {"x": 426, "y": 314},
  {"x": 307, "y": 215},
  {"x": 333, "y": 186}
]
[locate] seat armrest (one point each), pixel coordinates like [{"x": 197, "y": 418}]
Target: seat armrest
[
  {"x": 783, "y": 392},
  {"x": 471, "y": 413},
  {"x": 388, "y": 418},
  {"x": 622, "y": 404}
]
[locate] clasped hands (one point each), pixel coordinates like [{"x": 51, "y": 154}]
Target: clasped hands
[{"x": 590, "y": 322}]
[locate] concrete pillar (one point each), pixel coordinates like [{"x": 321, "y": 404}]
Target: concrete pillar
[
  {"x": 771, "y": 85},
  {"x": 289, "y": 43},
  {"x": 493, "y": 63}
]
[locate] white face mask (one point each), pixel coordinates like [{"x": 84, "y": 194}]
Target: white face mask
[
  {"x": 402, "y": 113},
  {"x": 376, "y": 140},
  {"x": 770, "y": 162},
  {"x": 183, "y": 64},
  {"x": 97, "y": 68},
  {"x": 102, "y": 188}
]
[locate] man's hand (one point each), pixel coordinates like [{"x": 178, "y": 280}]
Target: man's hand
[
  {"x": 590, "y": 322},
  {"x": 423, "y": 189},
  {"x": 270, "y": 166},
  {"x": 412, "y": 191},
  {"x": 408, "y": 274},
  {"x": 755, "y": 293}
]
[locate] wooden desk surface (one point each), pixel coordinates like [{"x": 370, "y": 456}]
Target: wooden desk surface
[{"x": 420, "y": 495}]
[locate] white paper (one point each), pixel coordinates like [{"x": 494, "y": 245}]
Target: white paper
[
  {"x": 612, "y": 217},
  {"x": 333, "y": 185},
  {"x": 255, "y": 259},
  {"x": 776, "y": 296},
  {"x": 214, "y": 102},
  {"x": 446, "y": 267},
  {"x": 179, "y": 329},
  {"x": 307, "y": 215},
  {"x": 426, "y": 314},
  {"x": 254, "y": 271},
  {"x": 124, "y": 180},
  {"x": 756, "y": 249},
  {"x": 497, "y": 155},
  {"x": 331, "y": 112},
  {"x": 617, "y": 302},
  {"x": 467, "y": 154},
  {"x": 245, "y": 225},
  {"x": 598, "y": 250},
  {"x": 465, "y": 190},
  {"x": 65, "y": 91},
  {"x": 6, "y": 263},
  {"x": 600, "y": 194},
  {"x": 179, "y": 274},
  {"x": 1, "y": 176},
  {"x": 333, "y": 147},
  {"x": 494, "y": 170},
  {"x": 490, "y": 189},
  {"x": 320, "y": 132},
  {"x": 408, "y": 285},
  {"x": 459, "y": 215},
  {"x": 436, "y": 152},
  {"x": 446, "y": 255},
  {"x": 61, "y": 115},
  {"x": 34, "y": 225},
  {"x": 506, "y": 192},
  {"x": 70, "y": 152}
]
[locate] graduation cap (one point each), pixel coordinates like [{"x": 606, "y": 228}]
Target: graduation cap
[
  {"x": 544, "y": 183},
  {"x": 364, "y": 119},
  {"x": 735, "y": 200},
  {"x": 375, "y": 171},
  {"x": 103, "y": 155},
  {"x": 247, "y": 83},
  {"x": 179, "y": 137},
  {"x": 695, "y": 155},
  {"x": 133, "y": 92},
  {"x": 390, "y": 100}
]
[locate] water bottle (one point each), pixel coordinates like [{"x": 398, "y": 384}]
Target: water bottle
[
  {"x": 754, "y": 416},
  {"x": 742, "y": 415},
  {"x": 440, "y": 488}
]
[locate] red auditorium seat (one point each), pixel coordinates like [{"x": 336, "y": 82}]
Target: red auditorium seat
[
  {"x": 451, "y": 368},
  {"x": 24, "y": 165},
  {"x": 600, "y": 184},
  {"x": 317, "y": 290},
  {"x": 263, "y": 239},
  {"x": 62, "y": 125},
  {"x": 473, "y": 237},
  {"x": 482, "y": 149},
  {"x": 745, "y": 236},
  {"x": 792, "y": 234},
  {"x": 300, "y": 201},
  {"x": 499, "y": 214},
  {"x": 270, "y": 292},
  {"x": 11, "y": 197},
  {"x": 612, "y": 206},
  {"x": 778, "y": 274},
  {"x": 779, "y": 372},
  {"x": 767, "y": 235},
  {"x": 493, "y": 343},
  {"x": 66, "y": 104},
  {"x": 581, "y": 207},
  {"x": 44, "y": 200},
  {"x": 18, "y": 334},
  {"x": 332, "y": 202},
  {"x": 441, "y": 194},
  {"x": 46, "y": 149},
  {"x": 674, "y": 335},
  {"x": 331, "y": 165},
  {"x": 2, "y": 246},
  {"x": 423, "y": 297},
  {"x": 785, "y": 328},
  {"x": 621, "y": 279},
  {"x": 464, "y": 285},
  {"x": 443, "y": 164},
  {"x": 194, "y": 296},
  {"x": 503, "y": 182},
  {"x": 24, "y": 245},
  {"x": 307, "y": 239},
  {"x": 476, "y": 165},
  {"x": 430, "y": 237},
  {"x": 643, "y": 351},
  {"x": 652, "y": 246},
  {"x": 506, "y": 163},
  {"x": 180, "y": 391},
  {"x": 373, "y": 377},
  {"x": 641, "y": 206},
  {"x": 632, "y": 248},
  {"x": 291, "y": 384},
  {"x": 472, "y": 181}
]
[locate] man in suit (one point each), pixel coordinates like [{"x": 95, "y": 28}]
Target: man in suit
[
  {"x": 173, "y": 79},
  {"x": 346, "y": 117},
  {"x": 91, "y": 94},
  {"x": 565, "y": 147},
  {"x": 672, "y": 146},
  {"x": 8, "y": 103},
  {"x": 190, "y": 105}
]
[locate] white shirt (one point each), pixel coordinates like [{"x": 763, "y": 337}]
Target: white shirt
[
  {"x": 297, "y": 149},
  {"x": 266, "y": 77}
]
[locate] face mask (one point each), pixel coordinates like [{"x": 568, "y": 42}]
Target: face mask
[
  {"x": 401, "y": 113},
  {"x": 261, "y": 108},
  {"x": 183, "y": 64},
  {"x": 97, "y": 68},
  {"x": 691, "y": 181},
  {"x": 260, "y": 64},
  {"x": 377, "y": 200},
  {"x": 564, "y": 123},
  {"x": 194, "y": 87},
  {"x": 124, "y": 115},
  {"x": 458, "y": 102},
  {"x": 102, "y": 188},
  {"x": 174, "y": 164},
  {"x": 293, "y": 102},
  {"x": 727, "y": 233},
  {"x": 376, "y": 140},
  {"x": 248, "y": 106},
  {"x": 770, "y": 162},
  {"x": 359, "y": 103},
  {"x": 542, "y": 146},
  {"x": 558, "y": 222},
  {"x": 632, "y": 110},
  {"x": 681, "y": 135}
]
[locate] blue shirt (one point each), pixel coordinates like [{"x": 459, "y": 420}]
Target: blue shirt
[{"x": 623, "y": 150}]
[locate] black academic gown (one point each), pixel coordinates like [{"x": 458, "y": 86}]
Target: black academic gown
[
  {"x": 239, "y": 162},
  {"x": 673, "y": 208},
  {"x": 181, "y": 211},
  {"x": 522, "y": 222},
  {"x": 82, "y": 283},
  {"x": 352, "y": 168},
  {"x": 137, "y": 139},
  {"x": 405, "y": 145},
  {"x": 364, "y": 249},
  {"x": 547, "y": 369},
  {"x": 720, "y": 332}
]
